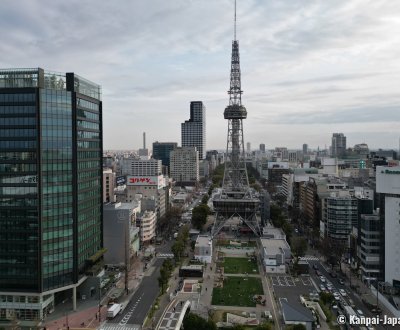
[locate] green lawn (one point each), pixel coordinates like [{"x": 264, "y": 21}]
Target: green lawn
[
  {"x": 238, "y": 291},
  {"x": 240, "y": 266}
]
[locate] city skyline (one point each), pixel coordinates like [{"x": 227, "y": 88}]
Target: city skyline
[{"x": 309, "y": 70}]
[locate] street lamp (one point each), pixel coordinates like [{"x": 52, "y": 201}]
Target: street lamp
[
  {"x": 377, "y": 293},
  {"x": 99, "y": 300}
]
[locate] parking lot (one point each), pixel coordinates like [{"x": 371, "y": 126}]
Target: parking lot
[{"x": 286, "y": 280}]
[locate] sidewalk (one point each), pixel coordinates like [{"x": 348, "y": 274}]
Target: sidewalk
[
  {"x": 87, "y": 318},
  {"x": 86, "y": 315},
  {"x": 363, "y": 289}
]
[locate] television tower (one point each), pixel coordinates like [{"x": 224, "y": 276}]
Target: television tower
[{"x": 236, "y": 200}]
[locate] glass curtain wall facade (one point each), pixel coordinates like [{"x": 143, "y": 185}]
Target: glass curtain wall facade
[
  {"x": 19, "y": 201},
  {"x": 50, "y": 183}
]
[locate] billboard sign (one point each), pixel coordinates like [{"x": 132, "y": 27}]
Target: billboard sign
[
  {"x": 388, "y": 180},
  {"x": 145, "y": 181},
  {"x": 121, "y": 180}
]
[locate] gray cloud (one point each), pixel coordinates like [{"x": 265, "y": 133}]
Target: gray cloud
[
  {"x": 365, "y": 114},
  {"x": 153, "y": 57}
]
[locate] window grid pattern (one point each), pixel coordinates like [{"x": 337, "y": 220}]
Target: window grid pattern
[
  {"x": 19, "y": 221},
  {"x": 56, "y": 171},
  {"x": 89, "y": 161}
]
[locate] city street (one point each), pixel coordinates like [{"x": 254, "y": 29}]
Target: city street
[{"x": 350, "y": 294}]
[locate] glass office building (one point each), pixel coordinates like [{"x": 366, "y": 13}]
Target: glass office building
[
  {"x": 162, "y": 151},
  {"x": 50, "y": 188}
]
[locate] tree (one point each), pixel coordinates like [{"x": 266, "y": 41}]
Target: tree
[
  {"x": 163, "y": 279},
  {"x": 177, "y": 249},
  {"x": 298, "y": 246},
  {"x": 265, "y": 326},
  {"x": 195, "y": 322},
  {"x": 210, "y": 190},
  {"x": 184, "y": 235},
  {"x": 299, "y": 327},
  {"x": 199, "y": 216},
  {"x": 217, "y": 179},
  {"x": 327, "y": 298},
  {"x": 165, "y": 274},
  {"x": 256, "y": 186},
  {"x": 204, "y": 200},
  {"x": 333, "y": 250},
  {"x": 239, "y": 327}
]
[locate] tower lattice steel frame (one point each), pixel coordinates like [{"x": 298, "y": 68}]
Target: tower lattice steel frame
[{"x": 236, "y": 198}]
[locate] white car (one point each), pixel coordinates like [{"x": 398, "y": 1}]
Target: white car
[
  {"x": 360, "y": 312},
  {"x": 323, "y": 279},
  {"x": 342, "y": 292},
  {"x": 322, "y": 287}
]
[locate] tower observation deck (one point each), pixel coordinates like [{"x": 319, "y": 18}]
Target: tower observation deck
[{"x": 236, "y": 199}]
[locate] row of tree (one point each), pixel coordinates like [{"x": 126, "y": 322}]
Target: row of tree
[
  {"x": 298, "y": 245},
  {"x": 200, "y": 213},
  {"x": 179, "y": 246},
  {"x": 280, "y": 221},
  {"x": 170, "y": 220},
  {"x": 165, "y": 274}
]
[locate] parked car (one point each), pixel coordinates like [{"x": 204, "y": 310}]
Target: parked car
[
  {"x": 318, "y": 272},
  {"x": 342, "y": 304},
  {"x": 322, "y": 278},
  {"x": 360, "y": 312},
  {"x": 315, "y": 266},
  {"x": 322, "y": 287},
  {"x": 342, "y": 292},
  {"x": 340, "y": 281}
]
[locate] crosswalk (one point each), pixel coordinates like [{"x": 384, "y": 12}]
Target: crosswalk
[
  {"x": 165, "y": 255},
  {"x": 111, "y": 326},
  {"x": 309, "y": 258}
]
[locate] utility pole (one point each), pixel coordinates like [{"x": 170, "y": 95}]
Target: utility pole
[
  {"x": 99, "y": 301},
  {"x": 377, "y": 292},
  {"x": 127, "y": 253}
]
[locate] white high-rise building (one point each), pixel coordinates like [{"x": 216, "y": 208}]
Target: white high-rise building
[
  {"x": 388, "y": 183},
  {"x": 184, "y": 164},
  {"x": 193, "y": 131},
  {"x": 147, "y": 167}
]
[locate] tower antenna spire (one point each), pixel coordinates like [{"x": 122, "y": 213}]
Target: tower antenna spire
[{"x": 234, "y": 27}]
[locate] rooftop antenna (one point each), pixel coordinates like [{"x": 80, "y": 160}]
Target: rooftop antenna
[{"x": 235, "y": 23}]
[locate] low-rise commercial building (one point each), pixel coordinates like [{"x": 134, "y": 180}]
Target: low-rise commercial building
[
  {"x": 275, "y": 254},
  {"x": 121, "y": 236},
  {"x": 147, "y": 224}
]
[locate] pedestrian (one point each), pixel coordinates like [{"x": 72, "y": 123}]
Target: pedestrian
[
  {"x": 96, "y": 316},
  {"x": 206, "y": 288}
]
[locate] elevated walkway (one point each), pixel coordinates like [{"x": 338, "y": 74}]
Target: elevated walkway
[{"x": 173, "y": 316}]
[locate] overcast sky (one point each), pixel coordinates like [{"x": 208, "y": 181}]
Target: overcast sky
[{"x": 309, "y": 68}]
